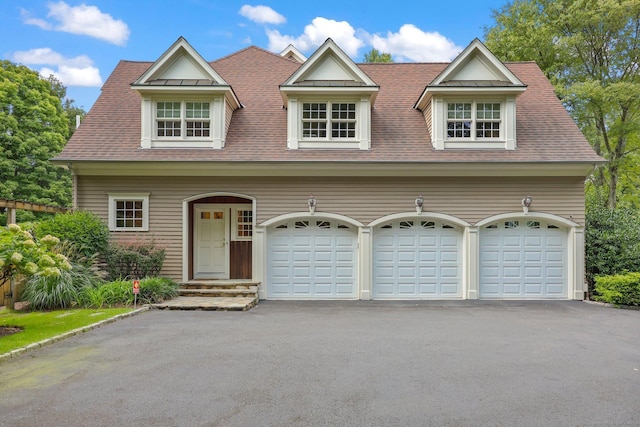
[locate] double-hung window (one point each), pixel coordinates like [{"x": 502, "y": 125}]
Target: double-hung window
[
  {"x": 473, "y": 120},
  {"x": 183, "y": 119},
  {"x": 329, "y": 120}
]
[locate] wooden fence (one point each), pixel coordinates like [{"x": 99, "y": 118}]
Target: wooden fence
[{"x": 5, "y": 288}]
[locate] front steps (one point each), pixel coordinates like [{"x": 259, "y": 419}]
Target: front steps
[{"x": 228, "y": 295}]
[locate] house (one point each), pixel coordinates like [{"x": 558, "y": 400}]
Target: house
[{"x": 326, "y": 179}]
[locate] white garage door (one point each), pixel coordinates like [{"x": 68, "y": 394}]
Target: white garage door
[
  {"x": 418, "y": 259},
  {"x": 312, "y": 259},
  {"x": 523, "y": 259}
]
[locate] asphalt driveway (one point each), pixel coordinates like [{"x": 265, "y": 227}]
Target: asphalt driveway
[{"x": 338, "y": 364}]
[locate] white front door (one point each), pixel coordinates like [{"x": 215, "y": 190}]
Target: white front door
[{"x": 211, "y": 241}]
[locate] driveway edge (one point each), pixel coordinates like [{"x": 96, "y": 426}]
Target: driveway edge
[{"x": 21, "y": 350}]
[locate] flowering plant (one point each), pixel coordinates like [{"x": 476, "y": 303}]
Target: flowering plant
[{"x": 23, "y": 255}]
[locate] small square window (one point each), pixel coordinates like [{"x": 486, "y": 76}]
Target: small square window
[{"x": 128, "y": 212}]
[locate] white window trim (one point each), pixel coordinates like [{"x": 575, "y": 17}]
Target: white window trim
[
  {"x": 361, "y": 141},
  {"x": 217, "y": 123},
  {"x": 441, "y": 141},
  {"x": 115, "y": 197}
]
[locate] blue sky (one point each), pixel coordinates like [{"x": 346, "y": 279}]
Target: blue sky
[{"x": 81, "y": 42}]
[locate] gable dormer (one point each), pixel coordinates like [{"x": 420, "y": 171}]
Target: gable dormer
[
  {"x": 472, "y": 103},
  {"x": 329, "y": 100},
  {"x": 185, "y": 102},
  {"x": 290, "y": 52}
]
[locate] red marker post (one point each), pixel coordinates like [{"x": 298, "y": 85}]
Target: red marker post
[{"x": 136, "y": 291}]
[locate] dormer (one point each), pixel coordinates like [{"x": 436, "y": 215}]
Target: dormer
[
  {"x": 185, "y": 102},
  {"x": 329, "y": 101},
  {"x": 290, "y": 52},
  {"x": 472, "y": 103}
]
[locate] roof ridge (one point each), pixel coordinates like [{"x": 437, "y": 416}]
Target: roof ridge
[{"x": 252, "y": 47}]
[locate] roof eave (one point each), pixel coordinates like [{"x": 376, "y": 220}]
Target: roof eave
[
  {"x": 371, "y": 91},
  {"x": 225, "y": 90},
  {"x": 429, "y": 91}
]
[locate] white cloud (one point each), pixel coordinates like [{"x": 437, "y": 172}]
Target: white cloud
[
  {"x": 315, "y": 34},
  {"x": 71, "y": 76},
  {"x": 262, "y": 14},
  {"x": 78, "y": 71},
  {"x": 83, "y": 20},
  {"x": 410, "y": 43}
]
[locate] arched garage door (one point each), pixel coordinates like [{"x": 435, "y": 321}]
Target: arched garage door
[
  {"x": 417, "y": 259},
  {"x": 523, "y": 259},
  {"x": 312, "y": 259}
]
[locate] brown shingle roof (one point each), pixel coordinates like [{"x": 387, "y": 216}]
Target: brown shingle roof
[{"x": 258, "y": 131}]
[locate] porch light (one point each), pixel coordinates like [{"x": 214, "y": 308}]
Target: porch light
[
  {"x": 526, "y": 203},
  {"x": 419, "y": 203},
  {"x": 312, "y": 202}
]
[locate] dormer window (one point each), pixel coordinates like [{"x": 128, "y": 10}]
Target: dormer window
[
  {"x": 185, "y": 119},
  {"x": 185, "y": 103},
  {"x": 473, "y": 120},
  {"x": 471, "y": 104},
  {"x": 328, "y": 101},
  {"x": 318, "y": 123}
]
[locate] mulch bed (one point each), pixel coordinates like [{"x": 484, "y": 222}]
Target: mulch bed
[{"x": 9, "y": 330}]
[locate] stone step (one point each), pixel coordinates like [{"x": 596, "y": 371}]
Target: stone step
[
  {"x": 208, "y": 303},
  {"x": 219, "y": 284},
  {"x": 215, "y": 292}
]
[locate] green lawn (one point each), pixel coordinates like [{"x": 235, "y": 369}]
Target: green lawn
[{"x": 39, "y": 325}]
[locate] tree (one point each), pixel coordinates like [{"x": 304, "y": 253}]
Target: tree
[
  {"x": 68, "y": 105},
  {"x": 375, "y": 56},
  {"x": 33, "y": 129},
  {"x": 590, "y": 50}
]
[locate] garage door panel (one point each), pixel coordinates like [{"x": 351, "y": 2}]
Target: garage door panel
[
  {"x": 533, "y": 289},
  {"x": 449, "y": 256},
  {"x": 523, "y": 260},
  {"x": 533, "y": 241},
  {"x": 449, "y": 273},
  {"x": 427, "y": 241},
  {"x": 512, "y": 288},
  {"x": 406, "y": 273},
  {"x": 488, "y": 255},
  {"x": 534, "y": 272},
  {"x": 406, "y": 257},
  {"x": 554, "y": 256},
  {"x": 511, "y": 241},
  {"x": 531, "y": 257},
  {"x": 512, "y": 272},
  {"x": 511, "y": 256},
  {"x": 449, "y": 241},
  {"x": 322, "y": 256}
]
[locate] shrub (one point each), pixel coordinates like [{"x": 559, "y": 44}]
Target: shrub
[
  {"x": 48, "y": 292},
  {"x": 134, "y": 259},
  {"x": 22, "y": 255},
  {"x": 84, "y": 230},
  {"x": 117, "y": 292},
  {"x": 619, "y": 289},
  {"x": 157, "y": 289},
  {"x": 612, "y": 242},
  {"x": 120, "y": 292}
]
